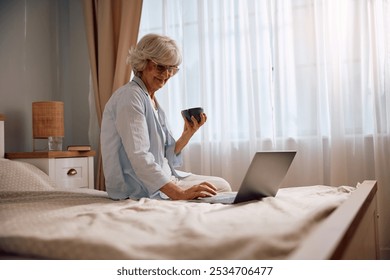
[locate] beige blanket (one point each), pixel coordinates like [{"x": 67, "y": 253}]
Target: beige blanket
[{"x": 86, "y": 224}]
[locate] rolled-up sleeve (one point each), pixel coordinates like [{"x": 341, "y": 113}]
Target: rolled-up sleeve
[{"x": 175, "y": 160}]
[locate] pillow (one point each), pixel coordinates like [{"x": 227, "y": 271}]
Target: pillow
[{"x": 22, "y": 176}]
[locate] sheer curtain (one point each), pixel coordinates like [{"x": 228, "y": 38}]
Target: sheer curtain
[{"x": 306, "y": 75}]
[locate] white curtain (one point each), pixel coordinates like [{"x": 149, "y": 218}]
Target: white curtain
[{"x": 307, "y": 75}]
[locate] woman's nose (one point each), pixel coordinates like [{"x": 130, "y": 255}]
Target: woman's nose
[{"x": 167, "y": 73}]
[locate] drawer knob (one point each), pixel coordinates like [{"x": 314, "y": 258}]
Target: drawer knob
[{"x": 72, "y": 172}]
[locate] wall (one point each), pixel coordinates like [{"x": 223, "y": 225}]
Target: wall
[{"x": 43, "y": 56}]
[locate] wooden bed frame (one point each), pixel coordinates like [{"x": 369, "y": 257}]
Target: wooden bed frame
[{"x": 350, "y": 232}]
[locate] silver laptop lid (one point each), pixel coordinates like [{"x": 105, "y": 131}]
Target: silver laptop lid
[{"x": 265, "y": 174}]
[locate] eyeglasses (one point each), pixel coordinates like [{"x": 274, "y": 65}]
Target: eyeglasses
[{"x": 172, "y": 70}]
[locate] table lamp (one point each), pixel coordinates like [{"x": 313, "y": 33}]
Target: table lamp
[{"x": 48, "y": 123}]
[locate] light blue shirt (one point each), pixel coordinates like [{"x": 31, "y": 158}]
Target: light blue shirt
[{"x": 136, "y": 144}]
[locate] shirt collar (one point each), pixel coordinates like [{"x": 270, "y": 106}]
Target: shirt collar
[{"x": 141, "y": 84}]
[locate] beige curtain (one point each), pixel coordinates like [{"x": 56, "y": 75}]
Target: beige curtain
[{"x": 111, "y": 27}]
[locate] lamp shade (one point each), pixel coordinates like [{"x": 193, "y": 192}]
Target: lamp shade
[{"x": 48, "y": 119}]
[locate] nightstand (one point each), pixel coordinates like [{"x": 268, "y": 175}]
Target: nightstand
[{"x": 68, "y": 169}]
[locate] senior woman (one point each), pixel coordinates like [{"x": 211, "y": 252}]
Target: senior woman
[{"x": 138, "y": 150}]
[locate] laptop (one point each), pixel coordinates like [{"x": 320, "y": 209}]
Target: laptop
[{"x": 263, "y": 178}]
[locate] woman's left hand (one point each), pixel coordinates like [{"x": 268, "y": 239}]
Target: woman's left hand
[
  {"x": 192, "y": 127},
  {"x": 189, "y": 130}
]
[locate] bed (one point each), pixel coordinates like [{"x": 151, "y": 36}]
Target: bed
[{"x": 39, "y": 220}]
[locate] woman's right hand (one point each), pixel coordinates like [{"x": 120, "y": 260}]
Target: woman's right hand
[{"x": 174, "y": 192}]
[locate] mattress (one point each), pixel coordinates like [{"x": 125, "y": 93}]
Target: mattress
[{"x": 40, "y": 220}]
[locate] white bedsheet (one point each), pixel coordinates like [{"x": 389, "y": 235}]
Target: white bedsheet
[{"x": 86, "y": 224}]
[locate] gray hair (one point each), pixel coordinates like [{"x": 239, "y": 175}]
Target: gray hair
[{"x": 158, "y": 48}]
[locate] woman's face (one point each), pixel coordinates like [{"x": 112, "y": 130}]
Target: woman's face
[{"x": 153, "y": 76}]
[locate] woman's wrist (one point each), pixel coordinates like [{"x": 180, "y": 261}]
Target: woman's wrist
[
  {"x": 187, "y": 134},
  {"x": 173, "y": 191},
  {"x": 182, "y": 142}
]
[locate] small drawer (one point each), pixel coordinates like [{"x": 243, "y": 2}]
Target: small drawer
[{"x": 72, "y": 172}]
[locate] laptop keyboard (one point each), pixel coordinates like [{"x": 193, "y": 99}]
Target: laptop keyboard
[{"x": 225, "y": 198}]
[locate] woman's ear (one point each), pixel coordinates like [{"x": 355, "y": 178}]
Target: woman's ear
[{"x": 149, "y": 66}]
